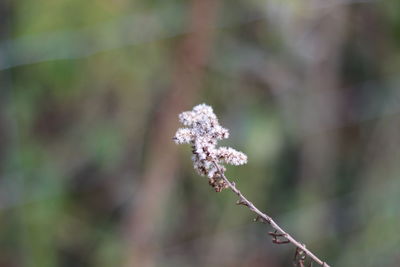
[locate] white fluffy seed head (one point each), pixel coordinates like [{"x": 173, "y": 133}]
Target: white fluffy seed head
[
  {"x": 184, "y": 136},
  {"x": 231, "y": 156},
  {"x": 203, "y": 132}
]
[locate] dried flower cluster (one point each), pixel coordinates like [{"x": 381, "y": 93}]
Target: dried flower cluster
[{"x": 203, "y": 132}]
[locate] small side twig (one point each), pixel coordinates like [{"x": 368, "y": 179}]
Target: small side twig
[
  {"x": 279, "y": 232},
  {"x": 275, "y": 238}
]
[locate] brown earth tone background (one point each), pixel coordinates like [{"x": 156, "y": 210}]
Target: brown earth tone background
[{"x": 89, "y": 97}]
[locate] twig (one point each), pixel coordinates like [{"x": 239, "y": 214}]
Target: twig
[{"x": 267, "y": 219}]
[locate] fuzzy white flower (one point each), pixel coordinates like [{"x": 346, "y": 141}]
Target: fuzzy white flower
[
  {"x": 231, "y": 156},
  {"x": 203, "y": 133},
  {"x": 184, "y": 136}
]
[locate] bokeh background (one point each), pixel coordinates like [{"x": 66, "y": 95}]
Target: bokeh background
[{"x": 89, "y": 97}]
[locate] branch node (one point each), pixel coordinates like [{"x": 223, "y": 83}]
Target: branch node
[
  {"x": 259, "y": 219},
  {"x": 241, "y": 202},
  {"x": 275, "y": 238},
  {"x": 299, "y": 257}
]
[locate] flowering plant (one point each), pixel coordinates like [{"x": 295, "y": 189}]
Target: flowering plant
[{"x": 202, "y": 132}]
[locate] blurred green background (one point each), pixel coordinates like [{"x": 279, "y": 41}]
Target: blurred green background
[{"x": 89, "y": 97}]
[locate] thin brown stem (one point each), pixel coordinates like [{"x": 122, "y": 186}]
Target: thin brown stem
[{"x": 267, "y": 219}]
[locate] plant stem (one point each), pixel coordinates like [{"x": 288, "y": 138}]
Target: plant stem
[{"x": 244, "y": 201}]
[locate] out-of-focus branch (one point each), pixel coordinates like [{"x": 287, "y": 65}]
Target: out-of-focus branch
[{"x": 159, "y": 173}]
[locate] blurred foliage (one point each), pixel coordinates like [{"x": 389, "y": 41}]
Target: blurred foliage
[{"x": 308, "y": 89}]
